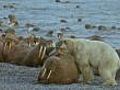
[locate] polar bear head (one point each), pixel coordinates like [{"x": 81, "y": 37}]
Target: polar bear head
[{"x": 65, "y": 46}]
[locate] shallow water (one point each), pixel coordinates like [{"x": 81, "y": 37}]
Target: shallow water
[{"x": 47, "y": 15}]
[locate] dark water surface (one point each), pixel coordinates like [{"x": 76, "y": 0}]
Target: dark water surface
[{"x": 47, "y": 15}]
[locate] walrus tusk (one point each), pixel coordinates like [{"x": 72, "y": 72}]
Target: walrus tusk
[
  {"x": 43, "y": 72},
  {"x": 10, "y": 46},
  {"x": 40, "y": 51},
  {"x": 43, "y": 54},
  {"x": 36, "y": 43},
  {"x": 49, "y": 74}
]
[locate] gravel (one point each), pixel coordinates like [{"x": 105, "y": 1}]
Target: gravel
[{"x": 14, "y": 77}]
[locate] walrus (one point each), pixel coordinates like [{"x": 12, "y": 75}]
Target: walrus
[
  {"x": 59, "y": 70},
  {"x": 12, "y": 49},
  {"x": 9, "y": 41},
  {"x": 38, "y": 54},
  {"x": 18, "y": 53}
]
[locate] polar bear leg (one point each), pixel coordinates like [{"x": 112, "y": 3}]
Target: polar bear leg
[
  {"x": 87, "y": 73},
  {"x": 108, "y": 75}
]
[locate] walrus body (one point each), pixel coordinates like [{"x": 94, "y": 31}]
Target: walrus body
[
  {"x": 32, "y": 58},
  {"x": 59, "y": 70},
  {"x": 17, "y": 54}
]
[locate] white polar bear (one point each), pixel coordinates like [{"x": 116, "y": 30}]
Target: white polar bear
[{"x": 91, "y": 55}]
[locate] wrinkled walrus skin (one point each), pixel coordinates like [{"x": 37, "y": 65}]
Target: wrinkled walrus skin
[
  {"x": 35, "y": 56},
  {"x": 17, "y": 54},
  {"x": 59, "y": 70}
]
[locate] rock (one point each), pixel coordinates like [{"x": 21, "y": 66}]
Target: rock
[
  {"x": 79, "y": 19},
  {"x": 61, "y": 1},
  {"x": 95, "y": 37},
  {"x": 36, "y": 29},
  {"x": 10, "y": 6},
  {"x": 57, "y": 1},
  {"x": 27, "y": 25},
  {"x": 72, "y": 36},
  {"x": 63, "y": 21},
  {"x": 89, "y": 26},
  {"x": 118, "y": 28},
  {"x": 50, "y": 33},
  {"x": 113, "y": 27},
  {"x": 101, "y": 27},
  {"x": 5, "y": 18},
  {"x": 68, "y": 28},
  {"x": 77, "y": 6},
  {"x": 1, "y": 30},
  {"x": 62, "y": 29}
]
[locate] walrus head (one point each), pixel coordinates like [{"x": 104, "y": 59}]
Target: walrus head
[
  {"x": 39, "y": 53},
  {"x": 9, "y": 41},
  {"x": 55, "y": 70}
]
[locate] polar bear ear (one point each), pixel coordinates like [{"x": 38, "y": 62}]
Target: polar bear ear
[{"x": 65, "y": 41}]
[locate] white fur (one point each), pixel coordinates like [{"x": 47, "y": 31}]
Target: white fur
[{"x": 94, "y": 54}]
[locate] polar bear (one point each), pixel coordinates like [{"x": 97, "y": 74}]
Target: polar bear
[{"x": 91, "y": 55}]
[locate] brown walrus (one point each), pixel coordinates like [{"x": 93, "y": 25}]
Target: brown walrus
[
  {"x": 18, "y": 53},
  {"x": 59, "y": 69},
  {"x": 7, "y": 41},
  {"x": 37, "y": 55},
  {"x": 12, "y": 49}
]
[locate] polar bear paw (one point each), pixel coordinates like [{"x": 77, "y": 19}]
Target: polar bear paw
[{"x": 110, "y": 83}]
